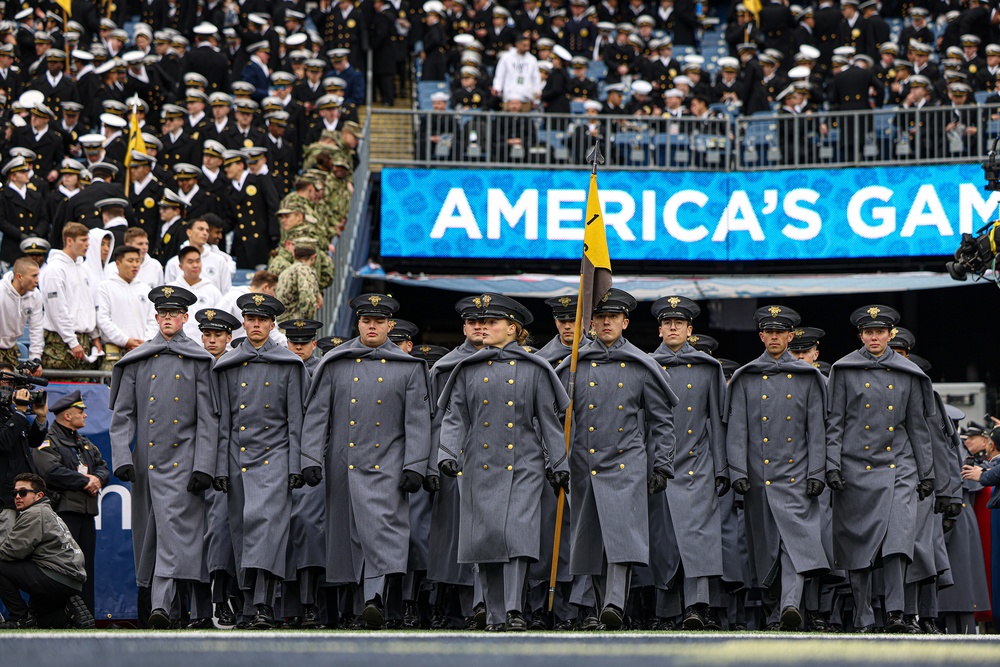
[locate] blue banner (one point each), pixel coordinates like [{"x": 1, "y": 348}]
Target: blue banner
[{"x": 809, "y": 214}]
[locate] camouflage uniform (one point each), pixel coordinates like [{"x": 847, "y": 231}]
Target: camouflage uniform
[
  {"x": 283, "y": 259},
  {"x": 56, "y": 354},
  {"x": 298, "y": 289},
  {"x": 296, "y": 202}
]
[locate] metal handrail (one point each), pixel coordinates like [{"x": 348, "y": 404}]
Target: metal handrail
[{"x": 821, "y": 139}]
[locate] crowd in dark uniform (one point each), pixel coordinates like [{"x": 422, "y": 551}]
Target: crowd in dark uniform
[
  {"x": 209, "y": 84},
  {"x": 798, "y": 62}
]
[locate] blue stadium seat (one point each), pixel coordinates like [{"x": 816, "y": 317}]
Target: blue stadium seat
[
  {"x": 576, "y": 107},
  {"x": 981, "y": 96},
  {"x": 22, "y": 351},
  {"x": 597, "y": 70},
  {"x": 427, "y": 88}
]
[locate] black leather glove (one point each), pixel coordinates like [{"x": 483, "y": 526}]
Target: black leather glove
[
  {"x": 954, "y": 509},
  {"x": 657, "y": 482},
  {"x": 940, "y": 505},
  {"x": 432, "y": 483},
  {"x": 200, "y": 481},
  {"x": 126, "y": 473},
  {"x": 742, "y": 486},
  {"x": 835, "y": 480},
  {"x": 722, "y": 485},
  {"x": 221, "y": 484},
  {"x": 925, "y": 488},
  {"x": 295, "y": 481},
  {"x": 449, "y": 467},
  {"x": 312, "y": 475},
  {"x": 947, "y": 524},
  {"x": 814, "y": 488},
  {"x": 411, "y": 481},
  {"x": 560, "y": 480}
]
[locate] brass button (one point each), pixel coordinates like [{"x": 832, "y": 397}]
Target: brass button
[
  {"x": 789, "y": 396},
  {"x": 376, "y": 466},
  {"x": 489, "y": 363},
  {"x": 150, "y": 422},
  {"x": 689, "y": 386},
  {"x": 153, "y": 376},
  {"x": 151, "y": 399},
  {"x": 485, "y": 446},
  {"x": 243, "y": 384},
  {"x": 765, "y": 377},
  {"x": 690, "y": 409},
  {"x": 791, "y": 460},
  {"x": 510, "y": 467},
  {"x": 510, "y": 445},
  {"x": 591, "y": 429},
  {"x": 623, "y": 366},
  {"x": 763, "y": 419},
  {"x": 592, "y": 384},
  {"x": 765, "y": 439},
  {"x": 509, "y": 403},
  {"x": 867, "y": 385},
  {"x": 890, "y": 408},
  {"x": 380, "y": 379},
  {"x": 890, "y": 429},
  {"x": 350, "y": 467},
  {"x": 890, "y": 386},
  {"x": 242, "y": 406},
  {"x": 621, "y": 465},
  {"x": 593, "y": 364},
  {"x": 150, "y": 466},
  {"x": 243, "y": 469},
  {"x": 866, "y": 448},
  {"x": 867, "y": 427},
  {"x": 378, "y": 401},
  {"x": 620, "y": 430},
  {"x": 175, "y": 421},
  {"x": 352, "y": 422},
  {"x": 593, "y": 472},
  {"x": 868, "y": 467},
  {"x": 350, "y": 444},
  {"x": 177, "y": 377},
  {"x": 789, "y": 440},
  {"x": 486, "y": 423},
  {"x": 788, "y": 418},
  {"x": 767, "y": 461},
  {"x": 620, "y": 407},
  {"x": 485, "y": 402},
  {"x": 691, "y": 453},
  {"x": 510, "y": 424},
  {"x": 243, "y": 428},
  {"x": 620, "y": 385},
  {"x": 892, "y": 465},
  {"x": 690, "y": 432},
  {"x": 888, "y": 449},
  {"x": 511, "y": 362},
  {"x": 792, "y": 480},
  {"x": 175, "y": 465},
  {"x": 354, "y": 400},
  {"x": 590, "y": 407},
  {"x": 267, "y": 384},
  {"x": 243, "y": 449},
  {"x": 486, "y": 379},
  {"x": 764, "y": 397},
  {"x": 767, "y": 483},
  {"x": 868, "y": 405},
  {"x": 510, "y": 381},
  {"x": 789, "y": 376},
  {"x": 485, "y": 467}
]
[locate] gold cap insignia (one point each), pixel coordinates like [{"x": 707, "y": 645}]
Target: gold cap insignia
[
  {"x": 893, "y": 332},
  {"x": 606, "y": 295},
  {"x": 477, "y": 301},
  {"x": 565, "y": 301},
  {"x": 693, "y": 339},
  {"x": 299, "y": 324},
  {"x": 337, "y": 340},
  {"x": 168, "y": 292},
  {"x": 209, "y": 315},
  {"x": 673, "y": 301},
  {"x": 374, "y": 299},
  {"x": 874, "y": 311},
  {"x": 426, "y": 349},
  {"x": 258, "y": 299},
  {"x": 774, "y": 310},
  {"x": 392, "y": 323},
  {"x": 486, "y": 300},
  {"x": 799, "y": 333}
]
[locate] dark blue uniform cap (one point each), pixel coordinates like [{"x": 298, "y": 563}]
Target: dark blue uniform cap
[{"x": 171, "y": 297}]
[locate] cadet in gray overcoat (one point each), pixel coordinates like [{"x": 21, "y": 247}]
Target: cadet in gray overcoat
[
  {"x": 217, "y": 328},
  {"x": 368, "y": 421},
  {"x": 622, "y": 451},
  {"x": 453, "y": 579},
  {"x": 306, "y": 556},
  {"x": 163, "y": 396},
  {"x": 694, "y": 523},
  {"x": 261, "y": 393},
  {"x": 879, "y": 461},
  {"x": 776, "y": 448},
  {"x": 493, "y": 401}
]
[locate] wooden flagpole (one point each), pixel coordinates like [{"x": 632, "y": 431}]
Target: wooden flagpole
[{"x": 595, "y": 157}]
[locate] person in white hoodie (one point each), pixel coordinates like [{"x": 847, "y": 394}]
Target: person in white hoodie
[
  {"x": 208, "y": 295},
  {"x": 124, "y": 314},
  {"x": 517, "y": 72},
  {"x": 98, "y": 255},
  {"x": 70, "y": 321},
  {"x": 20, "y": 304},
  {"x": 150, "y": 270},
  {"x": 214, "y": 263}
]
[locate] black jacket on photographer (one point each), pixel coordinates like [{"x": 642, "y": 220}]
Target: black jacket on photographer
[
  {"x": 17, "y": 438},
  {"x": 57, "y": 459}
]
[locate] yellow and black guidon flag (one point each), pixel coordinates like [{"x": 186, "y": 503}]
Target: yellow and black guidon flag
[{"x": 595, "y": 267}]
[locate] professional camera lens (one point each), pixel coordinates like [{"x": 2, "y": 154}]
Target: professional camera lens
[{"x": 956, "y": 271}]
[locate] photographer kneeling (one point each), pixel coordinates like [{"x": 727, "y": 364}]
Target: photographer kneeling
[
  {"x": 17, "y": 438},
  {"x": 38, "y": 556}
]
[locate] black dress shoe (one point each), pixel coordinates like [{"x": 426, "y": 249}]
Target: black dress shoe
[
  {"x": 354, "y": 623},
  {"x": 773, "y": 627},
  {"x": 712, "y": 620},
  {"x": 77, "y": 613},
  {"x": 929, "y": 626},
  {"x": 895, "y": 623},
  {"x": 912, "y": 626},
  {"x": 310, "y": 617},
  {"x": 439, "y": 621},
  {"x": 200, "y": 624},
  {"x": 865, "y": 630},
  {"x": 26, "y": 623},
  {"x": 411, "y": 618},
  {"x": 264, "y": 620},
  {"x": 224, "y": 615},
  {"x": 816, "y": 623},
  {"x": 693, "y": 618},
  {"x": 791, "y": 619},
  {"x": 836, "y": 627},
  {"x": 738, "y": 627},
  {"x": 495, "y": 627},
  {"x": 563, "y": 626},
  {"x": 515, "y": 622},
  {"x": 159, "y": 619},
  {"x": 612, "y": 618},
  {"x": 479, "y": 616},
  {"x": 290, "y": 623},
  {"x": 394, "y": 624},
  {"x": 540, "y": 620},
  {"x": 590, "y": 620},
  {"x": 373, "y": 616}
]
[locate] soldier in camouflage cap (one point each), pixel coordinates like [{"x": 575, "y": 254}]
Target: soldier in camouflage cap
[{"x": 298, "y": 287}]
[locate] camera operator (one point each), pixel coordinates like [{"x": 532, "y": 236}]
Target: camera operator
[
  {"x": 72, "y": 466},
  {"x": 20, "y": 304},
  {"x": 17, "y": 438}
]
